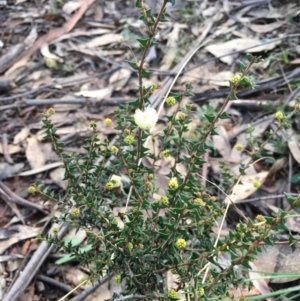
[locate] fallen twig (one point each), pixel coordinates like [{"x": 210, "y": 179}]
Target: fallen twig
[{"x": 20, "y": 201}]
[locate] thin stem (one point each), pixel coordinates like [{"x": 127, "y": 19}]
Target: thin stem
[{"x": 151, "y": 33}]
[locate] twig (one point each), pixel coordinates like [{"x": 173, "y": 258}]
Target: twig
[
  {"x": 20, "y": 201},
  {"x": 42, "y": 102},
  {"x": 33, "y": 266},
  {"x": 130, "y": 297},
  {"x": 56, "y": 283},
  {"x": 262, "y": 198},
  {"x": 90, "y": 289}
]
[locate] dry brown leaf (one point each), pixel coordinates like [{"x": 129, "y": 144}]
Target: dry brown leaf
[
  {"x": 266, "y": 27},
  {"x": 119, "y": 78},
  {"x": 98, "y": 94},
  {"x": 293, "y": 224},
  {"x": 171, "y": 48},
  {"x": 80, "y": 32},
  {"x": 260, "y": 128},
  {"x": 221, "y": 142},
  {"x": 275, "y": 13},
  {"x": 57, "y": 176},
  {"x": 105, "y": 39},
  {"x": 295, "y": 62},
  {"x": 71, "y": 6},
  {"x": 293, "y": 144},
  {"x": 24, "y": 232},
  {"x": 242, "y": 191},
  {"x": 22, "y": 135},
  {"x": 221, "y": 79},
  {"x": 74, "y": 275},
  {"x": 260, "y": 284},
  {"x": 39, "y": 170},
  {"x": 35, "y": 153},
  {"x": 277, "y": 166},
  {"x": 45, "y": 51},
  {"x": 11, "y": 149},
  {"x": 239, "y": 45}
]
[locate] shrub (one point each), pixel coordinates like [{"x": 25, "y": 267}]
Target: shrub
[{"x": 161, "y": 228}]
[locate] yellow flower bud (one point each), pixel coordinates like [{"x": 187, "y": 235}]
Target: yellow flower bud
[
  {"x": 114, "y": 149},
  {"x": 118, "y": 279},
  {"x": 256, "y": 184},
  {"x": 51, "y": 111},
  {"x": 239, "y": 147},
  {"x": 75, "y": 212},
  {"x": 173, "y": 183},
  {"x": 31, "y": 189},
  {"x": 107, "y": 121},
  {"x": 129, "y": 139},
  {"x": 109, "y": 185},
  {"x": 279, "y": 115},
  {"x": 181, "y": 243},
  {"x": 170, "y": 101},
  {"x": 172, "y": 294}
]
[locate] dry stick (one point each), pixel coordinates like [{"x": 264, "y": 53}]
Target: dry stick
[
  {"x": 20, "y": 201},
  {"x": 261, "y": 198},
  {"x": 56, "y": 283},
  {"x": 33, "y": 266},
  {"x": 90, "y": 289}
]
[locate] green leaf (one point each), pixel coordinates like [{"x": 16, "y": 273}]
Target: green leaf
[
  {"x": 293, "y": 201},
  {"x": 242, "y": 66},
  {"x": 213, "y": 132},
  {"x": 233, "y": 96},
  {"x": 146, "y": 73},
  {"x": 138, "y": 3},
  {"x": 148, "y": 13},
  {"x": 249, "y": 57},
  {"x": 133, "y": 64},
  {"x": 293, "y": 242},
  {"x": 163, "y": 17},
  {"x": 224, "y": 115},
  {"x": 210, "y": 118},
  {"x": 70, "y": 257},
  {"x": 172, "y": 1},
  {"x": 143, "y": 43}
]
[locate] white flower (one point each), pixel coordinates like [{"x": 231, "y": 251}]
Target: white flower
[
  {"x": 147, "y": 119},
  {"x": 117, "y": 180}
]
